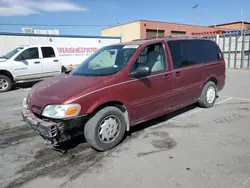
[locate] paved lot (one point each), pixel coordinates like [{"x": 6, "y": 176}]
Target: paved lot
[{"x": 190, "y": 148}]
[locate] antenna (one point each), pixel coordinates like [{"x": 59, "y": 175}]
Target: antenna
[
  {"x": 242, "y": 22},
  {"x": 195, "y": 7}
]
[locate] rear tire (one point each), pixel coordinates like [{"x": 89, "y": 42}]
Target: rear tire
[
  {"x": 105, "y": 129},
  {"x": 6, "y": 83},
  {"x": 208, "y": 95}
]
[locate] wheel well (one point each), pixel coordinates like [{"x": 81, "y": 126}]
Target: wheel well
[
  {"x": 117, "y": 104},
  {"x": 7, "y": 73},
  {"x": 213, "y": 79}
]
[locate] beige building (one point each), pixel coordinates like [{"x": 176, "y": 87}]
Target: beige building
[
  {"x": 142, "y": 29},
  {"x": 127, "y": 32}
]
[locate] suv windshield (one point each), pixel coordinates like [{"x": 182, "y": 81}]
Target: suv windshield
[
  {"x": 106, "y": 61},
  {"x": 12, "y": 52}
]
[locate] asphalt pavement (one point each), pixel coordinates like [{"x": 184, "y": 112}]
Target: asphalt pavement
[{"x": 192, "y": 147}]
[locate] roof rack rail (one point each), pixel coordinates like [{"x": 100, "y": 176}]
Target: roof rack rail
[
  {"x": 183, "y": 36},
  {"x": 151, "y": 38},
  {"x": 171, "y": 36}
]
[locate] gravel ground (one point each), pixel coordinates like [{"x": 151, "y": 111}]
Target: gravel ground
[{"x": 192, "y": 147}]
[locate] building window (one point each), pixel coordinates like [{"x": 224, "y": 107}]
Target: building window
[
  {"x": 152, "y": 33},
  {"x": 178, "y": 32}
]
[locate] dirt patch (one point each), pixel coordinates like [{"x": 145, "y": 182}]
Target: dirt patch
[
  {"x": 161, "y": 142},
  {"x": 173, "y": 125},
  {"x": 167, "y": 143},
  {"x": 244, "y": 109},
  {"x": 228, "y": 119},
  {"x": 55, "y": 165},
  {"x": 13, "y": 136}
]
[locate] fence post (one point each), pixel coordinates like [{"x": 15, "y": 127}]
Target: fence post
[
  {"x": 248, "y": 53},
  {"x": 242, "y": 50},
  {"x": 223, "y": 48},
  {"x": 229, "y": 51},
  {"x": 236, "y": 50},
  {"x": 217, "y": 38}
]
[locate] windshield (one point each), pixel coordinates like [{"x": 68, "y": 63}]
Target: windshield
[
  {"x": 12, "y": 52},
  {"x": 106, "y": 61}
]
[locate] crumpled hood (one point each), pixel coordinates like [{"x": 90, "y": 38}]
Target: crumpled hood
[{"x": 57, "y": 89}]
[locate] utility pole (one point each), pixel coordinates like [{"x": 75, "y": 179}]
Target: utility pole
[
  {"x": 242, "y": 20},
  {"x": 157, "y": 34},
  {"x": 121, "y": 32},
  {"x": 194, "y": 8}
]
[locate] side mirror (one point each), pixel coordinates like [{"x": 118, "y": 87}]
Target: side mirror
[{"x": 141, "y": 71}]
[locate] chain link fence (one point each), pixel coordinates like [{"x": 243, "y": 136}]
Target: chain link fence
[{"x": 235, "y": 47}]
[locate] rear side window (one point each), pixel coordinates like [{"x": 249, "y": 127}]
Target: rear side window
[
  {"x": 48, "y": 52},
  {"x": 190, "y": 52}
]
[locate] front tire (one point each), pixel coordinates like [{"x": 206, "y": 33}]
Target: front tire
[
  {"x": 105, "y": 129},
  {"x": 208, "y": 95},
  {"x": 5, "y": 83}
]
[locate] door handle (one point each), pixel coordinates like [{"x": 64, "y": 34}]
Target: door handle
[
  {"x": 37, "y": 62},
  {"x": 167, "y": 76},
  {"x": 55, "y": 60},
  {"x": 178, "y": 73}
]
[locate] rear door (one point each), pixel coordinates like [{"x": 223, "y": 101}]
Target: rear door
[
  {"x": 149, "y": 95},
  {"x": 27, "y": 65},
  {"x": 50, "y": 63},
  {"x": 188, "y": 69}
]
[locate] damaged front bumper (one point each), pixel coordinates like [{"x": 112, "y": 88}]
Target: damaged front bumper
[{"x": 53, "y": 132}]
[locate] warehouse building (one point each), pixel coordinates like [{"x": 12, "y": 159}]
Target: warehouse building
[
  {"x": 232, "y": 26},
  {"x": 143, "y": 29}
]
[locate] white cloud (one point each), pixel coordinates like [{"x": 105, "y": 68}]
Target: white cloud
[{"x": 27, "y": 7}]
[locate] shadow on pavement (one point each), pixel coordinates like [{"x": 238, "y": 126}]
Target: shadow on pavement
[
  {"x": 137, "y": 128},
  {"x": 25, "y": 85},
  {"x": 161, "y": 119}
]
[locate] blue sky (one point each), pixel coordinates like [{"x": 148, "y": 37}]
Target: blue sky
[{"x": 111, "y": 12}]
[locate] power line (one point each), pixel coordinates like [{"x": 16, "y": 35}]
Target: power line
[{"x": 54, "y": 25}]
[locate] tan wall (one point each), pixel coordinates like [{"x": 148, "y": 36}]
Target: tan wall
[
  {"x": 168, "y": 27},
  {"x": 128, "y": 32},
  {"x": 236, "y": 26}
]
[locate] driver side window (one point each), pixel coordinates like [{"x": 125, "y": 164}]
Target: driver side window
[
  {"x": 30, "y": 53},
  {"x": 154, "y": 57}
]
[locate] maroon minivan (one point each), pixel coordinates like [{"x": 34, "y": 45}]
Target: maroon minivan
[{"x": 122, "y": 85}]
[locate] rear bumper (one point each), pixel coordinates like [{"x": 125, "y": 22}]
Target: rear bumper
[{"x": 53, "y": 133}]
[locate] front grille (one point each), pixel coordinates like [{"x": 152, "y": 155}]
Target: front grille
[{"x": 53, "y": 130}]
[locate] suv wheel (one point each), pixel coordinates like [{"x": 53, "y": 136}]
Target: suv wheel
[
  {"x": 208, "y": 95},
  {"x": 5, "y": 83},
  {"x": 105, "y": 129}
]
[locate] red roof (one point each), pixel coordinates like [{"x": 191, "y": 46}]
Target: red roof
[{"x": 208, "y": 33}]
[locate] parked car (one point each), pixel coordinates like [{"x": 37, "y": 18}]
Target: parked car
[
  {"x": 28, "y": 63},
  {"x": 123, "y": 85}
]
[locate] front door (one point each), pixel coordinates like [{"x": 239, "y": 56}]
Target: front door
[
  {"x": 149, "y": 95},
  {"x": 50, "y": 63},
  {"x": 28, "y": 65}
]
